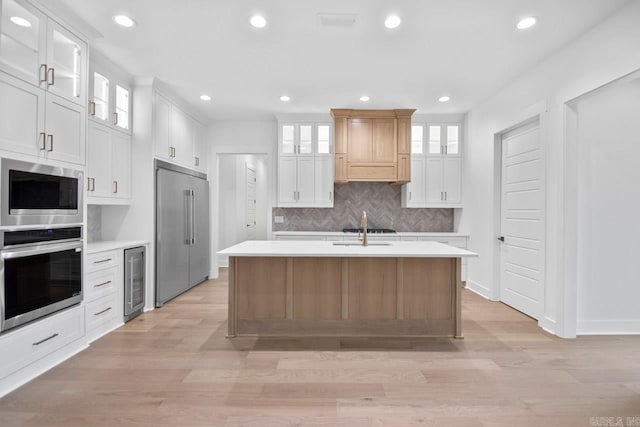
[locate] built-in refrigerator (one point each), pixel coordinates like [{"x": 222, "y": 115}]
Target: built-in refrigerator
[{"x": 182, "y": 230}]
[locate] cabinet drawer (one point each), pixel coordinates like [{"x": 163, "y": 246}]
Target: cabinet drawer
[
  {"x": 100, "y": 283},
  {"x": 101, "y": 312},
  {"x": 102, "y": 260},
  {"x": 32, "y": 342}
]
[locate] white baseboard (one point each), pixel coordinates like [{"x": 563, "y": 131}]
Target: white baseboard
[
  {"x": 223, "y": 261},
  {"x": 608, "y": 327},
  {"x": 477, "y": 288},
  {"x": 548, "y": 325}
]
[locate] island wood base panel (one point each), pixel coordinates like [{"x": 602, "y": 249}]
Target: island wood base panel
[{"x": 308, "y": 296}]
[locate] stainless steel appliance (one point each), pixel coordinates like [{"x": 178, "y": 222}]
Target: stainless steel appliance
[
  {"x": 40, "y": 273},
  {"x": 182, "y": 230},
  {"x": 36, "y": 194},
  {"x": 134, "y": 282}
]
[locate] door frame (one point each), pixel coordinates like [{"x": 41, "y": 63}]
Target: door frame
[{"x": 537, "y": 112}]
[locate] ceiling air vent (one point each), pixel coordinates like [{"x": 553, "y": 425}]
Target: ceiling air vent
[{"x": 337, "y": 19}]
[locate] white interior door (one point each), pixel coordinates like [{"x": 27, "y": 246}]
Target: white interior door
[
  {"x": 250, "y": 202},
  {"x": 522, "y": 228}
]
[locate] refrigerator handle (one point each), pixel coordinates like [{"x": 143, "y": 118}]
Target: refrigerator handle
[
  {"x": 187, "y": 231},
  {"x": 193, "y": 217}
]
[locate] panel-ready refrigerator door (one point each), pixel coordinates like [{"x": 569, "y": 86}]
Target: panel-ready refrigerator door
[
  {"x": 199, "y": 249},
  {"x": 172, "y": 234}
]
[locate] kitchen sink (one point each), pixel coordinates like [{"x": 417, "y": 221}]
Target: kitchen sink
[{"x": 349, "y": 243}]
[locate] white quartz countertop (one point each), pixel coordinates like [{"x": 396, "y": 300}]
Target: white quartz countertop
[
  {"x": 301, "y": 248},
  {"x": 399, "y": 233},
  {"x": 109, "y": 245}
]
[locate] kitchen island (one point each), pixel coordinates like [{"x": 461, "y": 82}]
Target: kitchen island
[{"x": 321, "y": 288}]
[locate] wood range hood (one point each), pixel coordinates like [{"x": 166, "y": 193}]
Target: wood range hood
[{"x": 372, "y": 145}]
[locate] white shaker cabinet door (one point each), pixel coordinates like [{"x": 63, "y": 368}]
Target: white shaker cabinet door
[
  {"x": 306, "y": 179},
  {"x": 98, "y": 161},
  {"x": 452, "y": 178},
  {"x": 324, "y": 180},
  {"x": 416, "y": 188},
  {"x": 121, "y": 165},
  {"x": 65, "y": 127},
  {"x": 22, "y": 116},
  {"x": 181, "y": 137},
  {"x": 162, "y": 127},
  {"x": 287, "y": 192},
  {"x": 434, "y": 184}
]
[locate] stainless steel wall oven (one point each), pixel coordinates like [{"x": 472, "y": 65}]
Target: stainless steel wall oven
[{"x": 40, "y": 273}]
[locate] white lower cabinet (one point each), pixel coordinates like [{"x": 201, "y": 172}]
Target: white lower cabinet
[
  {"x": 34, "y": 341},
  {"x": 103, "y": 293},
  {"x": 108, "y": 165}
]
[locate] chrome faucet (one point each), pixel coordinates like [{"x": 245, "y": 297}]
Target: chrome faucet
[{"x": 363, "y": 225}]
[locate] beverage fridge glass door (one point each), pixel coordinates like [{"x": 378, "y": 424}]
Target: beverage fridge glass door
[{"x": 134, "y": 281}]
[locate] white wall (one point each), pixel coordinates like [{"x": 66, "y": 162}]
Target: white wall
[
  {"x": 607, "y": 52},
  {"x": 232, "y": 197},
  {"x": 608, "y": 226},
  {"x": 242, "y": 137}
]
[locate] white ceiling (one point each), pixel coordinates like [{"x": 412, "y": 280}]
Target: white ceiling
[{"x": 467, "y": 49}]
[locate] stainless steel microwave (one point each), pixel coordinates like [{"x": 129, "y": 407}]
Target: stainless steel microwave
[{"x": 36, "y": 194}]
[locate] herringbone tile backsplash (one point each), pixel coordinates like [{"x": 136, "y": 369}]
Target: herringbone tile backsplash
[{"x": 380, "y": 200}]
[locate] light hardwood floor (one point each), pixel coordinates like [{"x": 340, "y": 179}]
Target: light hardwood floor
[{"x": 174, "y": 367}]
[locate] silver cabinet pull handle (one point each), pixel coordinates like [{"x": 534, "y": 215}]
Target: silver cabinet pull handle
[
  {"x": 43, "y": 75},
  {"x": 43, "y": 145},
  {"x": 115, "y": 187},
  {"x": 52, "y": 75},
  {"x": 88, "y": 184},
  {"x": 102, "y": 260},
  {"x": 409, "y": 195},
  {"x": 102, "y": 312},
  {"x": 93, "y": 184},
  {"x": 197, "y": 161},
  {"x": 193, "y": 217},
  {"x": 46, "y": 339},
  {"x": 115, "y": 119},
  {"x": 102, "y": 284},
  {"x": 92, "y": 108},
  {"x": 50, "y": 142}
]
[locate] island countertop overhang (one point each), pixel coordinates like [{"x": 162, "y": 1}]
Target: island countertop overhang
[{"x": 394, "y": 249}]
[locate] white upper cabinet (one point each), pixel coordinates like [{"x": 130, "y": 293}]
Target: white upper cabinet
[
  {"x": 109, "y": 96},
  {"x": 179, "y": 138},
  {"x": 305, "y": 166},
  {"x": 42, "y": 85},
  {"x": 443, "y": 139},
  {"x": 436, "y": 150},
  {"x": 108, "y": 165},
  {"x": 324, "y": 139},
  {"x": 23, "y": 41},
  {"x": 40, "y": 51}
]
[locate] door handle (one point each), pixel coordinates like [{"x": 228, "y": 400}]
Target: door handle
[
  {"x": 501, "y": 238},
  {"x": 50, "y": 142},
  {"x": 92, "y": 108},
  {"x": 115, "y": 119},
  {"x": 43, "y": 145},
  {"x": 131, "y": 283},
  {"x": 51, "y": 73},
  {"x": 115, "y": 187},
  {"x": 43, "y": 75}
]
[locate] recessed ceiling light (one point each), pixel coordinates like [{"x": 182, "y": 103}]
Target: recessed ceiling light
[
  {"x": 21, "y": 22},
  {"x": 285, "y": 98},
  {"x": 525, "y": 23},
  {"x": 124, "y": 20},
  {"x": 444, "y": 98},
  {"x": 205, "y": 97},
  {"x": 364, "y": 98},
  {"x": 392, "y": 21},
  {"x": 258, "y": 21}
]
